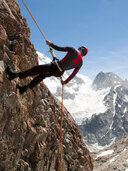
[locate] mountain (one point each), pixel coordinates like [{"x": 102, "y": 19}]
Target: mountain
[
  {"x": 30, "y": 123},
  {"x": 111, "y": 125},
  {"x": 105, "y": 80},
  {"x": 112, "y": 158},
  {"x": 99, "y": 107}
]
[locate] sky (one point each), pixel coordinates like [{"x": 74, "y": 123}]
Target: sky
[{"x": 101, "y": 25}]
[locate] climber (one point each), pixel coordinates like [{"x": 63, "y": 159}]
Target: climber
[{"x": 72, "y": 60}]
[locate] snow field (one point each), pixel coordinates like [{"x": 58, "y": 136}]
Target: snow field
[{"x": 104, "y": 153}]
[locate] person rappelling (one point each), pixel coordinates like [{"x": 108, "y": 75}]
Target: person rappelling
[{"x": 72, "y": 60}]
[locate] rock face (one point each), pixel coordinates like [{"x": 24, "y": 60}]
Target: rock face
[
  {"x": 30, "y": 123},
  {"x": 104, "y": 128}
]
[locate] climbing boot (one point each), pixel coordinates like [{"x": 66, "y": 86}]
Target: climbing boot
[
  {"x": 22, "y": 89},
  {"x": 11, "y": 74}
]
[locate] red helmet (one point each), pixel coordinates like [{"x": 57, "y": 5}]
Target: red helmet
[{"x": 84, "y": 50}]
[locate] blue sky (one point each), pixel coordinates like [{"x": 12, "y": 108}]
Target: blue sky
[{"x": 101, "y": 25}]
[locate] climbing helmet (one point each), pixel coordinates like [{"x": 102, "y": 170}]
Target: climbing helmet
[{"x": 84, "y": 50}]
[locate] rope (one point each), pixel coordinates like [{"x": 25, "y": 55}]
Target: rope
[
  {"x": 60, "y": 140},
  {"x": 54, "y": 58},
  {"x": 34, "y": 19},
  {"x": 50, "y": 48}
]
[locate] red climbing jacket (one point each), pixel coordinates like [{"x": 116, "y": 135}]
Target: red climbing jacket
[{"x": 73, "y": 59}]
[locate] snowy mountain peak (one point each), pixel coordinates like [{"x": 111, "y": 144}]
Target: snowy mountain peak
[{"x": 105, "y": 80}]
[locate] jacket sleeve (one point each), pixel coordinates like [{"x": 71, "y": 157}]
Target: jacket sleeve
[
  {"x": 64, "y": 49},
  {"x": 73, "y": 74}
]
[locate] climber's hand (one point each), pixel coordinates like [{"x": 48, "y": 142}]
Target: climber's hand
[
  {"x": 48, "y": 42},
  {"x": 62, "y": 82}
]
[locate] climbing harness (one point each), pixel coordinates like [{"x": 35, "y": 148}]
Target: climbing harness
[
  {"x": 50, "y": 48},
  {"x": 61, "y": 119}
]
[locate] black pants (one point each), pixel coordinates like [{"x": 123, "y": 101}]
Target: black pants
[{"x": 41, "y": 72}]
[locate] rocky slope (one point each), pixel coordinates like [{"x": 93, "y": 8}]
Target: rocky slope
[
  {"x": 30, "y": 123},
  {"x": 113, "y": 158}
]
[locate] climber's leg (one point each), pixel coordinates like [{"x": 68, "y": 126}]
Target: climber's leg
[
  {"x": 39, "y": 69},
  {"x": 53, "y": 71},
  {"x": 33, "y": 83}
]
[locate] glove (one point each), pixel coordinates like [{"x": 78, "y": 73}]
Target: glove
[{"x": 48, "y": 42}]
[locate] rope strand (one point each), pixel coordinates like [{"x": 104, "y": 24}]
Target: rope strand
[
  {"x": 61, "y": 136},
  {"x": 61, "y": 121},
  {"x": 34, "y": 19},
  {"x": 50, "y": 48}
]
